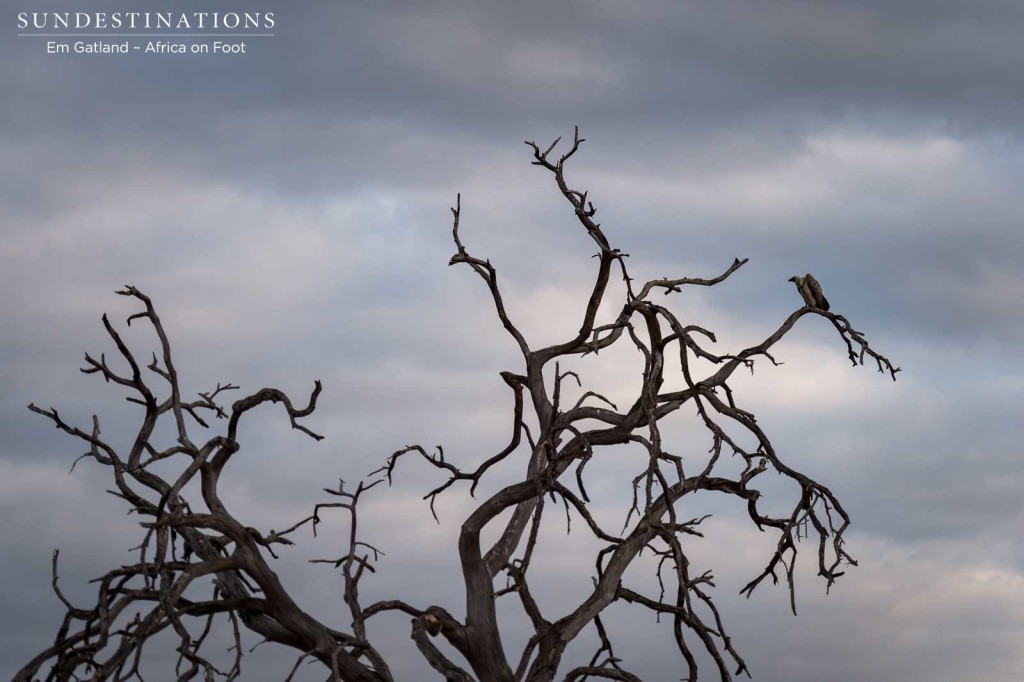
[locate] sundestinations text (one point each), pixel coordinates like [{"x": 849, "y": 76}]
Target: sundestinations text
[{"x": 146, "y": 20}]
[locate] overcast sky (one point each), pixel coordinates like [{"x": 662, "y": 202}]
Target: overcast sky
[{"x": 287, "y": 210}]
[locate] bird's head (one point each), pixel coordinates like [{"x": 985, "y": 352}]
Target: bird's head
[{"x": 795, "y": 280}]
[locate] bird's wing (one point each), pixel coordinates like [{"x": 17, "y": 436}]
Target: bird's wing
[{"x": 819, "y": 298}]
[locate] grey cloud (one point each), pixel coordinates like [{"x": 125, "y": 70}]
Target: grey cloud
[{"x": 289, "y": 214}]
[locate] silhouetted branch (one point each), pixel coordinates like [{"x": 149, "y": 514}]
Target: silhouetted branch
[{"x": 188, "y": 532}]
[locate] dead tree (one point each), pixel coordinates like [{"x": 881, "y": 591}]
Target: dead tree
[{"x": 184, "y": 545}]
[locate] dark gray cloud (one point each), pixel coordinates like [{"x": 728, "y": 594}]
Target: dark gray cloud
[{"x": 288, "y": 211}]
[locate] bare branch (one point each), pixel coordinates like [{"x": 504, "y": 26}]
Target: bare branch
[{"x": 189, "y": 536}]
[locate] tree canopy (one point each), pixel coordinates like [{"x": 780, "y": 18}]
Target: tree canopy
[{"x": 185, "y": 545}]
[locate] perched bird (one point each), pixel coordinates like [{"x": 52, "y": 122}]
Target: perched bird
[
  {"x": 433, "y": 624},
  {"x": 810, "y": 291}
]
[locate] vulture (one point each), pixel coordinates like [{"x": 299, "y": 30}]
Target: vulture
[
  {"x": 810, "y": 291},
  {"x": 433, "y": 624}
]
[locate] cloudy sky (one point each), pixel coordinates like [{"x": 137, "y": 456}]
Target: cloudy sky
[{"x": 287, "y": 210}]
